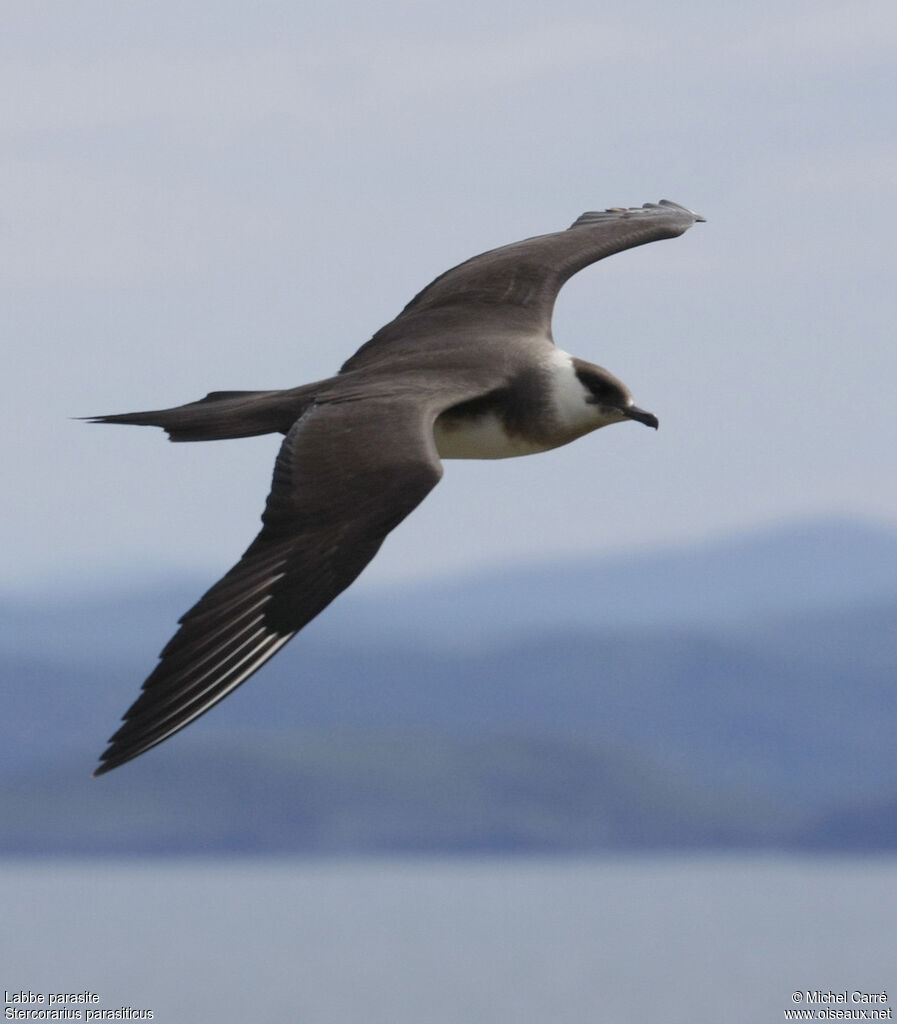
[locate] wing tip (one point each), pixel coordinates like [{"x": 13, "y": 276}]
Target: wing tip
[
  {"x": 626, "y": 212},
  {"x": 136, "y": 738},
  {"x": 116, "y": 755},
  {"x": 699, "y": 219},
  {"x": 107, "y": 765}
]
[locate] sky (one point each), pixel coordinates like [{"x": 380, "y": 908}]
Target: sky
[{"x": 220, "y": 195}]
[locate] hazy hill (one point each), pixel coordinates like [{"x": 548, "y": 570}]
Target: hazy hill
[
  {"x": 816, "y": 566},
  {"x": 738, "y": 693}
]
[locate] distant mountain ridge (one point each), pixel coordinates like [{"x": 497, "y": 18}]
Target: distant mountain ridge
[
  {"x": 755, "y": 676},
  {"x": 829, "y": 564},
  {"x": 821, "y": 565}
]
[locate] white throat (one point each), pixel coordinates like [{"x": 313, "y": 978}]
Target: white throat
[{"x": 574, "y": 414}]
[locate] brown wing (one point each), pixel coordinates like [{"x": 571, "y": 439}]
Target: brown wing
[
  {"x": 518, "y": 284},
  {"x": 346, "y": 475}
]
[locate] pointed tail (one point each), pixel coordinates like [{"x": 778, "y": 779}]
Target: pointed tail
[{"x": 223, "y": 414}]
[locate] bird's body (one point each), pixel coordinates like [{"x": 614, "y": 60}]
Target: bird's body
[
  {"x": 469, "y": 369},
  {"x": 553, "y": 410}
]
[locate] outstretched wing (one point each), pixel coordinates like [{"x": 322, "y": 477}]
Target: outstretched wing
[
  {"x": 347, "y": 474},
  {"x": 519, "y": 283}
]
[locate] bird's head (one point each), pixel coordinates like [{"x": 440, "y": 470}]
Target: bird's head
[{"x": 610, "y": 396}]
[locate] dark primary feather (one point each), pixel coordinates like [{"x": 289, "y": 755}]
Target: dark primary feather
[{"x": 325, "y": 519}]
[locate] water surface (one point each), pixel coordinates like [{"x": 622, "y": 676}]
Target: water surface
[{"x": 503, "y": 941}]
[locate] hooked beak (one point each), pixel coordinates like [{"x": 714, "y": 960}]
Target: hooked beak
[{"x": 633, "y": 412}]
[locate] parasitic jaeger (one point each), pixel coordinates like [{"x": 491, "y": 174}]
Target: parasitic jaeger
[{"x": 467, "y": 370}]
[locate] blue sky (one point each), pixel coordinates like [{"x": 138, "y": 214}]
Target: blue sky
[{"x": 234, "y": 196}]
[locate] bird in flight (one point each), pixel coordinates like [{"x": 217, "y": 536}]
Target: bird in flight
[{"x": 467, "y": 370}]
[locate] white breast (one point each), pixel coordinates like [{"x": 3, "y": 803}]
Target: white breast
[{"x": 483, "y": 437}]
